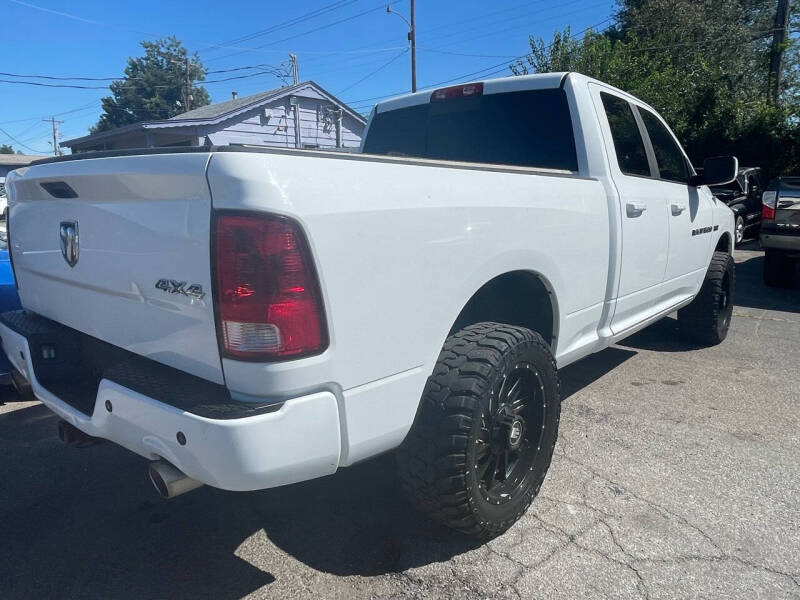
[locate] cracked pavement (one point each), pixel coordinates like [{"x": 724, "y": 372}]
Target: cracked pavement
[{"x": 676, "y": 475}]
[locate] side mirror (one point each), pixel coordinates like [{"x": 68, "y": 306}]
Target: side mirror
[{"x": 718, "y": 170}]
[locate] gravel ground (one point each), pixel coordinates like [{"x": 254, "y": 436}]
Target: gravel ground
[{"x": 676, "y": 475}]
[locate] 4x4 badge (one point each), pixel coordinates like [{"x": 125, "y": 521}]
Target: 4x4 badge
[{"x": 172, "y": 286}]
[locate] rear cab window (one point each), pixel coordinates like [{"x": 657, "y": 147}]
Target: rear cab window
[{"x": 530, "y": 128}]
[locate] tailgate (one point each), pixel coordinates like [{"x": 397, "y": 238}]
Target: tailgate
[
  {"x": 118, "y": 248},
  {"x": 787, "y": 210}
]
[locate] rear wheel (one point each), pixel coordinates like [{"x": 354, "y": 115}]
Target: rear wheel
[
  {"x": 778, "y": 268},
  {"x": 485, "y": 430},
  {"x": 707, "y": 319}
]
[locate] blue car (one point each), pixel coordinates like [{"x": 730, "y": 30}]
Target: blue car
[{"x": 9, "y": 300}]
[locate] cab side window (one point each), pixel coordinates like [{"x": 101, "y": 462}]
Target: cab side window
[
  {"x": 670, "y": 159},
  {"x": 628, "y": 143}
]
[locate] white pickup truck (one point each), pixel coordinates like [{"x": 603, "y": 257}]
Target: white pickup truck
[{"x": 248, "y": 318}]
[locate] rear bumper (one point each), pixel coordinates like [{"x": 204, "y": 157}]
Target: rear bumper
[
  {"x": 780, "y": 241},
  {"x": 298, "y": 441}
]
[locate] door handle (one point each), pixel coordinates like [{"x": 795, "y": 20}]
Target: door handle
[
  {"x": 635, "y": 209},
  {"x": 677, "y": 209}
]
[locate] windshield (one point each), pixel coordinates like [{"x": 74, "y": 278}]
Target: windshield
[
  {"x": 734, "y": 187},
  {"x": 790, "y": 187},
  {"x": 531, "y": 128}
]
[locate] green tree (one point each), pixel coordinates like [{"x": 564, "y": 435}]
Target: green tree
[
  {"x": 6, "y": 149},
  {"x": 703, "y": 65},
  {"x": 154, "y": 86}
]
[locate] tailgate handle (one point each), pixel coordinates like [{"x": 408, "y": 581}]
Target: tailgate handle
[{"x": 58, "y": 189}]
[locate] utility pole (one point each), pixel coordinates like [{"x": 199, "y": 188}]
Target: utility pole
[
  {"x": 188, "y": 87},
  {"x": 187, "y": 97},
  {"x": 412, "y": 37},
  {"x": 54, "y": 123},
  {"x": 295, "y": 76},
  {"x": 780, "y": 32}
]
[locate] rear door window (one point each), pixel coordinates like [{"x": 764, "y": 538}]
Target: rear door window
[
  {"x": 530, "y": 128},
  {"x": 628, "y": 142},
  {"x": 670, "y": 158}
]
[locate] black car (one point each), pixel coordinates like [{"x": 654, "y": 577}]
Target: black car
[
  {"x": 744, "y": 198},
  {"x": 780, "y": 230}
]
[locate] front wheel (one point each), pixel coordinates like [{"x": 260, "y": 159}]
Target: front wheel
[
  {"x": 485, "y": 431},
  {"x": 739, "y": 230},
  {"x": 707, "y": 319}
]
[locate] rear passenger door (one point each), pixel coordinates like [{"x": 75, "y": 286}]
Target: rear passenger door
[
  {"x": 643, "y": 213},
  {"x": 689, "y": 211}
]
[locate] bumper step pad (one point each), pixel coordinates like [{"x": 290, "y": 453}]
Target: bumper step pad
[{"x": 70, "y": 364}]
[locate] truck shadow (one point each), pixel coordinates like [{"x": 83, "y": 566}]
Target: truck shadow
[
  {"x": 86, "y": 523},
  {"x": 752, "y": 292}
]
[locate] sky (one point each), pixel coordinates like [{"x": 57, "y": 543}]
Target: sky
[{"x": 352, "y": 48}]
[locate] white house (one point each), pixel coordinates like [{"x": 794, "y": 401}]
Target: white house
[{"x": 297, "y": 116}]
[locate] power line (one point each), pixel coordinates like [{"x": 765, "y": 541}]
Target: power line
[
  {"x": 483, "y": 33},
  {"x": 121, "y": 28},
  {"x": 75, "y": 86},
  {"x": 56, "y": 85},
  {"x": 275, "y": 72},
  {"x": 382, "y": 6},
  {"x": 60, "y": 78},
  {"x": 381, "y": 68},
  {"x": 66, "y": 112},
  {"x": 466, "y": 54},
  {"x": 291, "y": 22},
  {"x": 16, "y": 141}
]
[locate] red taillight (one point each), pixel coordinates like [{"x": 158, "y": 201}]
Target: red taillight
[
  {"x": 458, "y": 91},
  {"x": 268, "y": 298},
  {"x": 769, "y": 201}
]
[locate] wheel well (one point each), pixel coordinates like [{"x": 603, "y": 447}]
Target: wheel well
[
  {"x": 724, "y": 243},
  {"x": 516, "y": 298}
]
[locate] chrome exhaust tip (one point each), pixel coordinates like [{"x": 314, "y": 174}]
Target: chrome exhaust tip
[{"x": 170, "y": 481}]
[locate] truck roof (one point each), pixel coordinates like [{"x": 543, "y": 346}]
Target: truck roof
[{"x": 538, "y": 81}]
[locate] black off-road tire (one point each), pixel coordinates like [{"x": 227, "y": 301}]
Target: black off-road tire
[
  {"x": 707, "y": 319},
  {"x": 438, "y": 462},
  {"x": 778, "y": 268}
]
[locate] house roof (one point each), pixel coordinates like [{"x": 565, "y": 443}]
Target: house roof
[
  {"x": 212, "y": 111},
  {"x": 215, "y": 113},
  {"x": 18, "y": 160}
]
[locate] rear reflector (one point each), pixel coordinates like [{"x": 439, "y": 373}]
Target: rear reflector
[
  {"x": 769, "y": 201},
  {"x": 457, "y": 91},
  {"x": 267, "y": 293}
]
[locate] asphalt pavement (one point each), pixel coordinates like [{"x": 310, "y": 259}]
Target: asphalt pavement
[{"x": 676, "y": 475}]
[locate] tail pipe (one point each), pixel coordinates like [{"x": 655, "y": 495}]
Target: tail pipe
[
  {"x": 69, "y": 434},
  {"x": 21, "y": 386},
  {"x": 170, "y": 481}
]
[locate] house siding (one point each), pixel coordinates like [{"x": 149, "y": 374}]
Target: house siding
[{"x": 317, "y": 126}]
